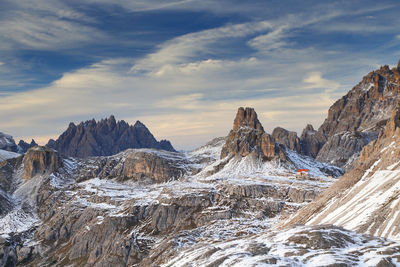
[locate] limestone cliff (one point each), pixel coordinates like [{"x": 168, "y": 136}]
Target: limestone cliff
[
  {"x": 41, "y": 160},
  {"x": 248, "y": 136},
  {"x": 365, "y": 199},
  {"x": 354, "y": 120}
]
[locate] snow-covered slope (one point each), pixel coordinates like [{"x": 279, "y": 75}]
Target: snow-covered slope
[
  {"x": 85, "y": 199},
  {"x": 7, "y": 155},
  {"x": 372, "y": 205},
  {"x": 218, "y": 212},
  {"x": 367, "y": 199},
  {"x": 252, "y": 166},
  {"x": 297, "y": 246}
]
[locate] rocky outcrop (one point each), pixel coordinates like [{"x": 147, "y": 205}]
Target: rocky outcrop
[
  {"x": 354, "y": 120},
  {"x": 366, "y": 198},
  {"x": 308, "y": 245},
  {"x": 311, "y": 141},
  {"x": 247, "y": 118},
  {"x": 7, "y": 143},
  {"x": 98, "y": 229},
  {"x": 41, "y": 160},
  {"x": 248, "y": 136},
  {"x": 8, "y": 255},
  {"x": 24, "y": 146},
  {"x": 286, "y": 138},
  {"x": 136, "y": 165},
  {"x": 104, "y": 138}
]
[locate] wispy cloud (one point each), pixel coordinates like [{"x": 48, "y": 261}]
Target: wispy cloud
[
  {"x": 42, "y": 24},
  {"x": 196, "y": 45}
]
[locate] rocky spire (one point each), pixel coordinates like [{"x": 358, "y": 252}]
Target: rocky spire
[
  {"x": 248, "y": 137},
  {"x": 24, "y": 146},
  {"x": 247, "y": 118}
]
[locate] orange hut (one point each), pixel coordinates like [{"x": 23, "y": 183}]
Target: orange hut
[{"x": 302, "y": 173}]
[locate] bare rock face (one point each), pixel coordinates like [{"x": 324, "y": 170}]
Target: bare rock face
[
  {"x": 24, "y": 146},
  {"x": 311, "y": 141},
  {"x": 354, "y": 120},
  {"x": 104, "y": 138},
  {"x": 247, "y": 118},
  {"x": 136, "y": 165},
  {"x": 248, "y": 136},
  {"x": 286, "y": 138},
  {"x": 365, "y": 198},
  {"x": 7, "y": 143},
  {"x": 40, "y": 160}
]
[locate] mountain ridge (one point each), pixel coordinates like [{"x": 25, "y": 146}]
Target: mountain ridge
[
  {"x": 105, "y": 137},
  {"x": 366, "y": 198}
]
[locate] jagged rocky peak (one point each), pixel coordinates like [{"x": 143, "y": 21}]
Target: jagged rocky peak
[
  {"x": 286, "y": 138},
  {"x": 248, "y": 136},
  {"x": 366, "y": 198},
  {"x": 247, "y": 117},
  {"x": 41, "y": 160},
  {"x": 355, "y": 120},
  {"x": 24, "y": 146},
  {"x": 105, "y": 137},
  {"x": 7, "y": 143},
  {"x": 311, "y": 141}
]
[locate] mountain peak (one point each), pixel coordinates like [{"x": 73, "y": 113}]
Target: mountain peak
[
  {"x": 309, "y": 128},
  {"x": 111, "y": 119},
  {"x": 138, "y": 124},
  {"x": 247, "y": 117},
  {"x": 24, "y": 146},
  {"x": 355, "y": 119},
  {"x": 104, "y": 138},
  {"x": 248, "y": 137}
]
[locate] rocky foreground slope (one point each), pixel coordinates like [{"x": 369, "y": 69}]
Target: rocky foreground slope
[
  {"x": 367, "y": 199},
  {"x": 104, "y": 138},
  {"x": 141, "y": 207}
]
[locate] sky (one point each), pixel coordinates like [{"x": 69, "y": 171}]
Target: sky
[{"x": 184, "y": 67}]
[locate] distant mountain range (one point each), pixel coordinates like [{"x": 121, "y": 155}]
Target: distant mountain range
[
  {"x": 7, "y": 143},
  {"x": 104, "y": 138}
]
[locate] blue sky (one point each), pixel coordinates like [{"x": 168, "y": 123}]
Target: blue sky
[{"x": 184, "y": 67}]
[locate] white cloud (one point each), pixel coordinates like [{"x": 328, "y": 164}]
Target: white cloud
[
  {"x": 270, "y": 41},
  {"x": 189, "y": 105},
  {"x": 1, "y": 63},
  {"x": 315, "y": 80},
  {"x": 186, "y": 91},
  {"x": 185, "y": 48}
]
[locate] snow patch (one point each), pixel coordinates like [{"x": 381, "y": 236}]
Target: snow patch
[{"x": 4, "y": 155}]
